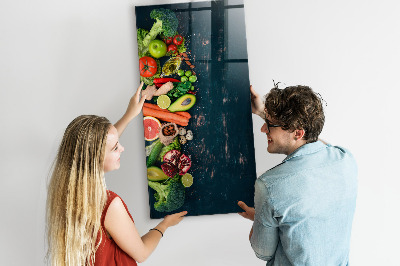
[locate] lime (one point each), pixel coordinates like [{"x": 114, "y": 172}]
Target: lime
[
  {"x": 188, "y": 73},
  {"x": 163, "y": 101},
  {"x": 184, "y": 79},
  {"x": 192, "y": 78},
  {"x": 187, "y": 180},
  {"x": 181, "y": 72}
]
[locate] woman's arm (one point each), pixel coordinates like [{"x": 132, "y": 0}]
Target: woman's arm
[
  {"x": 134, "y": 107},
  {"x": 122, "y": 229}
]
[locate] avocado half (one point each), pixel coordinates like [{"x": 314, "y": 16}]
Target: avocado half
[
  {"x": 183, "y": 103},
  {"x": 156, "y": 174}
]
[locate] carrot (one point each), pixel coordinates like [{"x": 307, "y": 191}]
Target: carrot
[
  {"x": 169, "y": 117},
  {"x": 154, "y": 106},
  {"x": 184, "y": 114}
]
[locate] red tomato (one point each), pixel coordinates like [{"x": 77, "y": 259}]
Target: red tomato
[
  {"x": 178, "y": 39},
  {"x": 167, "y": 40},
  {"x": 172, "y": 48},
  {"x": 147, "y": 66}
]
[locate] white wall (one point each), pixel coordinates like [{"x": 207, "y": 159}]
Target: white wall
[{"x": 59, "y": 59}]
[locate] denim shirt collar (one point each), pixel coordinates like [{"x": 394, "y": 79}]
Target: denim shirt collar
[{"x": 306, "y": 149}]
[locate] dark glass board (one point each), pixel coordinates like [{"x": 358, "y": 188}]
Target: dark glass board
[{"x": 222, "y": 149}]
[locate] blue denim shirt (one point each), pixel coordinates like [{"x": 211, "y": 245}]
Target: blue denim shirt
[{"x": 305, "y": 206}]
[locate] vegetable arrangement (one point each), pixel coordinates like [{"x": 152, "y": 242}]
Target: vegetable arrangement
[{"x": 170, "y": 94}]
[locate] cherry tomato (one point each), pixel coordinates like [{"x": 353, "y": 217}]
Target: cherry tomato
[
  {"x": 167, "y": 40},
  {"x": 147, "y": 66},
  {"x": 178, "y": 39},
  {"x": 172, "y": 48}
]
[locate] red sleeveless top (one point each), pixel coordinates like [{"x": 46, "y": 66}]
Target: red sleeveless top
[{"x": 109, "y": 253}]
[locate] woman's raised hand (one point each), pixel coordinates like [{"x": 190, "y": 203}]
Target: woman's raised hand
[
  {"x": 136, "y": 103},
  {"x": 134, "y": 107}
]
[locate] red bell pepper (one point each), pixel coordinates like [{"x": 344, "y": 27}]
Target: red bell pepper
[{"x": 164, "y": 80}]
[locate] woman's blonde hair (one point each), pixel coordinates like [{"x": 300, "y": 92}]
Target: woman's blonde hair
[{"x": 77, "y": 193}]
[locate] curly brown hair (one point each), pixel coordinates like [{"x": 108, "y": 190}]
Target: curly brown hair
[{"x": 297, "y": 107}]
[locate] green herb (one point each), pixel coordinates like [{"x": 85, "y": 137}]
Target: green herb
[{"x": 180, "y": 88}]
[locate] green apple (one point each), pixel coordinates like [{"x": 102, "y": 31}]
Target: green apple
[{"x": 157, "y": 48}]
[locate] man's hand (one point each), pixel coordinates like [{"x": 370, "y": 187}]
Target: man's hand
[
  {"x": 257, "y": 105},
  {"x": 248, "y": 211}
]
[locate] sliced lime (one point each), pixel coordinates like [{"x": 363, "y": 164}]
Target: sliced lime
[
  {"x": 187, "y": 180},
  {"x": 163, "y": 101}
]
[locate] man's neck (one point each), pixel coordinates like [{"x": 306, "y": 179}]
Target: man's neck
[{"x": 297, "y": 145}]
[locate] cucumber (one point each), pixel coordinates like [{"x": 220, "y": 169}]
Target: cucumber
[{"x": 154, "y": 153}]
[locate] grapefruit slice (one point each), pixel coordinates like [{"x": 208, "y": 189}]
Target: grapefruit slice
[{"x": 151, "y": 128}]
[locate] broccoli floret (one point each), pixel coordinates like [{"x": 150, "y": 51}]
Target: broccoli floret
[
  {"x": 166, "y": 22},
  {"x": 170, "y": 195},
  {"x": 168, "y": 19}
]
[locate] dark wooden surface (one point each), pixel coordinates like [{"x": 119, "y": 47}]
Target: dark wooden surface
[{"x": 222, "y": 150}]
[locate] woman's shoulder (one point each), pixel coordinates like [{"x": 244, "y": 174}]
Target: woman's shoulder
[
  {"x": 116, "y": 203},
  {"x": 111, "y": 195}
]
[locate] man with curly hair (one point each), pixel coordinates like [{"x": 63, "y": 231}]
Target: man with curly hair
[{"x": 304, "y": 206}]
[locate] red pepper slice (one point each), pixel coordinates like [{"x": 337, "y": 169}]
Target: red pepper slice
[{"x": 164, "y": 80}]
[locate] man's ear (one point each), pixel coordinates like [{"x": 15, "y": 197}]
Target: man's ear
[{"x": 299, "y": 134}]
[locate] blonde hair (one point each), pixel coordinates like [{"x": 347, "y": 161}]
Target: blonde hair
[{"x": 77, "y": 193}]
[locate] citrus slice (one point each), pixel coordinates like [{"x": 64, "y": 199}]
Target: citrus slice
[
  {"x": 187, "y": 180},
  {"x": 163, "y": 101},
  {"x": 151, "y": 128}
]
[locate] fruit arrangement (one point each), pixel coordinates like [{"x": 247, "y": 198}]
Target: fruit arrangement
[{"x": 170, "y": 89}]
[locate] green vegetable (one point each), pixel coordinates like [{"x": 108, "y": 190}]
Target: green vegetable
[
  {"x": 181, "y": 72},
  {"x": 179, "y": 90},
  {"x": 192, "y": 78},
  {"x": 184, "y": 78},
  {"x": 174, "y": 145},
  {"x": 188, "y": 73},
  {"x": 166, "y": 22},
  {"x": 182, "y": 47},
  {"x": 143, "y": 50},
  {"x": 154, "y": 153},
  {"x": 170, "y": 195}
]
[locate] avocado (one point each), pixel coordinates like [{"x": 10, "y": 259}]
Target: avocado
[
  {"x": 156, "y": 174},
  {"x": 183, "y": 103}
]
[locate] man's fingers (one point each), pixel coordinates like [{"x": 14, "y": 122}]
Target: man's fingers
[
  {"x": 243, "y": 205},
  {"x": 253, "y": 92},
  {"x": 243, "y": 214}
]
